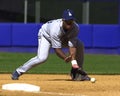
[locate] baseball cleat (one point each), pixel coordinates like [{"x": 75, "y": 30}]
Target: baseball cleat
[{"x": 15, "y": 75}]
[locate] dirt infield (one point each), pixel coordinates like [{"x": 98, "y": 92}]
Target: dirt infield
[{"x": 60, "y": 85}]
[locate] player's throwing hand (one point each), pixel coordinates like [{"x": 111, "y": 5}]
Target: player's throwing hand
[{"x": 68, "y": 59}]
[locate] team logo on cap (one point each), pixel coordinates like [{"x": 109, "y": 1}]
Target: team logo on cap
[{"x": 69, "y": 14}]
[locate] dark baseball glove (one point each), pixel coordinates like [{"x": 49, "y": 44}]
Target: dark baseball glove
[{"x": 77, "y": 74}]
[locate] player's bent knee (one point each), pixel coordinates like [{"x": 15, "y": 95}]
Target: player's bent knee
[{"x": 42, "y": 59}]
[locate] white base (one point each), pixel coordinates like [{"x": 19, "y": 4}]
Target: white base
[{"x": 21, "y": 87}]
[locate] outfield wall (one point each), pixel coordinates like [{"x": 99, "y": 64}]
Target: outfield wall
[{"x": 93, "y": 36}]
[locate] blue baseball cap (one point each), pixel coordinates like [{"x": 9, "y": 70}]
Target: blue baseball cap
[{"x": 68, "y": 15}]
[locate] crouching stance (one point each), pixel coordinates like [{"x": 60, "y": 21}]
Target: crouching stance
[{"x": 57, "y": 34}]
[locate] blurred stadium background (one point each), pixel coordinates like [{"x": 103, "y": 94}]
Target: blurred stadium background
[
  {"x": 86, "y": 11},
  {"x": 99, "y": 21}
]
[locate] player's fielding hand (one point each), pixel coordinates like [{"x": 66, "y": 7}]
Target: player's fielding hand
[{"x": 74, "y": 64}]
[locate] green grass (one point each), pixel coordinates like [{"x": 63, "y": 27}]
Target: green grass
[
  {"x": 93, "y": 64},
  {"x": 102, "y": 64}
]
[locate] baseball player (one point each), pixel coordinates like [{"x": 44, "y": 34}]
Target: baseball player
[{"x": 57, "y": 34}]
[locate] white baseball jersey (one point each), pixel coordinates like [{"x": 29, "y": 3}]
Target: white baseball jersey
[{"x": 54, "y": 33}]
